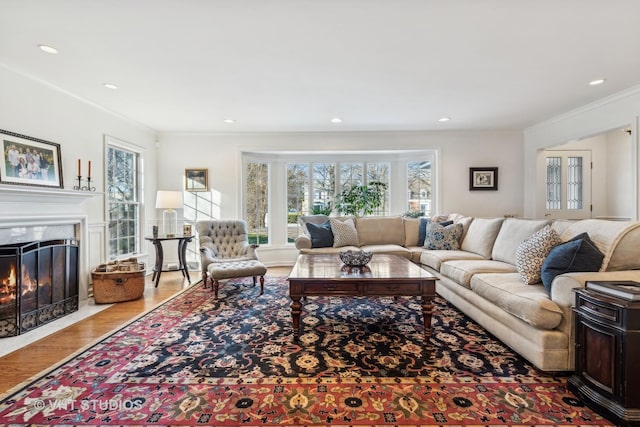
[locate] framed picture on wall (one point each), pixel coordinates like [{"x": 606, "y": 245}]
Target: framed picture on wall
[
  {"x": 29, "y": 161},
  {"x": 483, "y": 179},
  {"x": 196, "y": 180}
]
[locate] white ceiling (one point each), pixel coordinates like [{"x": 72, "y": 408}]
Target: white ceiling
[{"x": 292, "y": 65}]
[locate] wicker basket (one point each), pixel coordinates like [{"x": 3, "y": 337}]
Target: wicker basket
[{"x": 117, "y": 286}]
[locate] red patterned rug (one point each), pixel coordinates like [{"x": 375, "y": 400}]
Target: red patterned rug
[{"x": 233, "y": 362}]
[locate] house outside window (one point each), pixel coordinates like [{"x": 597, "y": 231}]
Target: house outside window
[{"x": 122, "y": 167}]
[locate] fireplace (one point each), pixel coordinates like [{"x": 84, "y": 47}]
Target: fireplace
[{"x": 38, "y": 283}]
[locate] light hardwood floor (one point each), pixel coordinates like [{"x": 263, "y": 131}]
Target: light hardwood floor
[{"x": 22, "y": 364}]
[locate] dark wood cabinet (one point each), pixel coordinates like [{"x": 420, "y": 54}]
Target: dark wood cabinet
[{"x": 607, "y": 373}]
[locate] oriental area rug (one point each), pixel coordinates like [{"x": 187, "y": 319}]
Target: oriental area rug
[{"x": 233, "y": 362}]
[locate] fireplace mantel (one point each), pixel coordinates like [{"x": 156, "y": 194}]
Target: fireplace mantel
[{"x": 10, "y": 193}]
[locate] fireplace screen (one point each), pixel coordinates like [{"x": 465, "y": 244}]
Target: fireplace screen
[{"x": 38, "y": 284}]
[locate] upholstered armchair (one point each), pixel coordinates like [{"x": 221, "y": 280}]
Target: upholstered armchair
[{"x": 225, "y": 252}]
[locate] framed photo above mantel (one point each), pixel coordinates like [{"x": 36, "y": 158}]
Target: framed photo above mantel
[
  {"x": 29, "y": 161},
  {"x": 196, "y": 179},
  {"x": 483, "y": 179}
]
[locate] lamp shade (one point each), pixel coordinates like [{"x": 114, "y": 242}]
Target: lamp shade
[{"x": 169, "y": 200}]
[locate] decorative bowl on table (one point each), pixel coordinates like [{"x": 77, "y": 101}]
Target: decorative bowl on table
[{"x": 355, "y": 258}]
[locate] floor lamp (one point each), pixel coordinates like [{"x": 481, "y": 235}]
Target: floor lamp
[{"x": 169, "y": 201}]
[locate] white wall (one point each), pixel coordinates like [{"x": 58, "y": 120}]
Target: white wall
[
  {"x": 619, "y": 174},
  {"x": 221, "y": 154},
  {"x": 31, "y": 108},
  {"x": 612, "y": 175},
  {"x": 458, "y": 151},
  {"x": 614, "y": 112}
]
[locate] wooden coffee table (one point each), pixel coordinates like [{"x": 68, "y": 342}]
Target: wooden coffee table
[{"x": 385, "y": 275}]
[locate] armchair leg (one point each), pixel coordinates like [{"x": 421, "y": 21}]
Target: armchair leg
[
  {"x": 216, "y": 286},
  {"x": 261, "y": 285}
]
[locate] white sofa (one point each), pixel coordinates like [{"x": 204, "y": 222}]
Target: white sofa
[{"x": 481, "y": 278}]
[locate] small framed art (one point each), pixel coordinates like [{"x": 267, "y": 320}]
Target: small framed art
[
  {"x": 186, "y": 230},
  {"x": 483, "y": 179},
  {"x": 196, "y": 180},
  {"x": 29, "y": 161}
]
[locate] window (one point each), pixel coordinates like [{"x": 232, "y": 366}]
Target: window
[
  {"x": 279, "y": 187},
  {"x": 379, "y": 172},
  {"x": 419, "y": 187},
  {"x": 123, "y": 196},
  {"x": 568, "y": 184},
  {"x": 257, "y": 202}
]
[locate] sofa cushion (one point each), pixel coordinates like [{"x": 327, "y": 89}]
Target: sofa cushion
[
  {"x": 532, "y": 252},
  {"x": 331, "y": 250},
  {"x": 626, "y": 253},
  {"x": 423, "y": 231},
  {"x": 532, "y": 304},
  {"x": 438, "y": 237},
  {"x": 388, "y": 249},
  {"x": 481, "y": 235},
  {"x": 380, "y": 230},
  {"x": 513, "y": 232},
  {"x": 578, "y": 254},
  {"x": 607, "y": 235},
  {"x": 411, "y": 230},
  {"x": 321, "y": 235},
  {"x": 303, "y": 220},
  {"x": 461, "y": 271},
  {"x": 434, "y": 259},
  {"x": 344, "y": 232}
]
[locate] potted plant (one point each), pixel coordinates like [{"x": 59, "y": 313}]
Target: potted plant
[{"x": 360, "y": 200}]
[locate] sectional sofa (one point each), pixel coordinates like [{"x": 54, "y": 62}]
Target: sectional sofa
[{"x": 484, "y": 277}]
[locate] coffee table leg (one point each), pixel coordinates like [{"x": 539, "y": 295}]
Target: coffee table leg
[
  {"x": 296, "y": 309},
  {"x": 427, "y": 312}
]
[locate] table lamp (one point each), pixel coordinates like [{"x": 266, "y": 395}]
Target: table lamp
[{"x": 169, "y": 201}]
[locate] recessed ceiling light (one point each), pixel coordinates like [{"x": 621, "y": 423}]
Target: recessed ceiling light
[
  {"x": 596, "y": 82},
  {"x": 49, "y": 49},
  {"x": 336, "y": 120},
  {"x": 230, "y": 121},
  {"x": 110, "y": 86},
  {"x": 444, "y": 119}
]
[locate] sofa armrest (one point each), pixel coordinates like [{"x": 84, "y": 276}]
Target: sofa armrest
[
  {"x": 563, "y": 285},
  {"x": 303, "y": 242}
]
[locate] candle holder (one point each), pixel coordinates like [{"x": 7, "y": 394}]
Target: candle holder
[{"x": 81, "y": 187}]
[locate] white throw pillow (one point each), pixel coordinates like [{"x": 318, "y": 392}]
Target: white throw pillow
[
  {"x": 344, "y": 232},
  {"x": 532, "y": 252}
]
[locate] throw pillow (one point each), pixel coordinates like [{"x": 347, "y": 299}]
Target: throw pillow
[
  {"x": 422, "y": 230},
  {"x": 321, "y": 235},
  {"x": 532, "y": 252},
  {"x": 344, "y": 232},
  {"x": 440, "y": 237},
  {"x": 577, "y": 254}
]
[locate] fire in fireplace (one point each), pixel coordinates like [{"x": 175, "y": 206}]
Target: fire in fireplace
[{"x": 38, "y": 284}]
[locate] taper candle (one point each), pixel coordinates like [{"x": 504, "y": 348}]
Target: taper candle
[
  {"x": 79, "y": 171},
  {"x": 89, "y": 172}
]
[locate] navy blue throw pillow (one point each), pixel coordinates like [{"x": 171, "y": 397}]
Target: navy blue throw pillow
[
  {"x": 577, "y": 254},
  {"x": 422, "y": 230},
  {"x": 321, "y": 235}
]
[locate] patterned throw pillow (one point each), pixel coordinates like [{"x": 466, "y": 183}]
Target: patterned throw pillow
[
  {"x": 532, "y": 252},
  {"x": 344, "y": 232},
  {"x": 440, "y": 237}
]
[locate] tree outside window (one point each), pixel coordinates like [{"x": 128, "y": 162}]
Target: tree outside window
[{"x": 123, "y": 202}]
